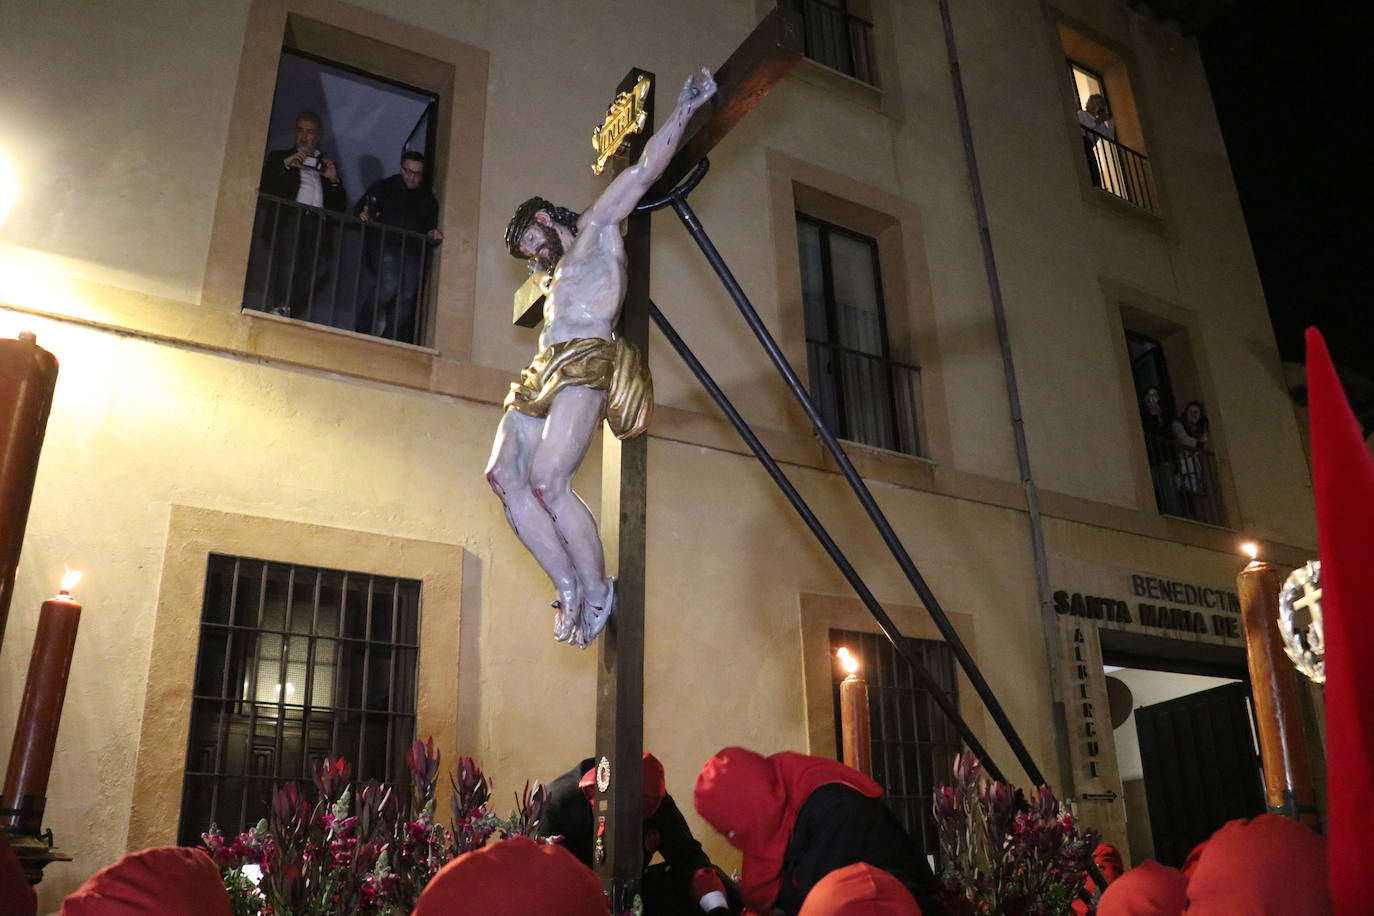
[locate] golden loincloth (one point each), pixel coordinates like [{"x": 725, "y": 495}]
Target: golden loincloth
[{"x": 589, "y": 362}]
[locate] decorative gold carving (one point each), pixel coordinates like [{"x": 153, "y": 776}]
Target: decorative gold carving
[{"x": 626, "y": 116}]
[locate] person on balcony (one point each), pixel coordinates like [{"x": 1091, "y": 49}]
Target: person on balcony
[
  {"x": 1095, "y": 117},
  {"x": 300, "y": 237},
  {"x": 1159, "y": 448},
  {"x": 1190, "y": 432},
  {"x": 397, "y": 259}
]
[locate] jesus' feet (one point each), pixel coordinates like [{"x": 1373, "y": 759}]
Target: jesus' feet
[{"x": 595, "y": 613}]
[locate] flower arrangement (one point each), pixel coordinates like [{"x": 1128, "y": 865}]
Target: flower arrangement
[
  {"x": 1004, "y": 856},
  {"x": 360, "y": 851}
]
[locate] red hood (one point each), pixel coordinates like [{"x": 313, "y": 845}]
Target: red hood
[
  {"x": 859, "y": 890},
  {"x": 754, "y": 801},
  {"x": 1264, "y": 865}
]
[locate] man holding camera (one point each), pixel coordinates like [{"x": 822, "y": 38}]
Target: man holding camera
[{"x": 301, "y": 238}]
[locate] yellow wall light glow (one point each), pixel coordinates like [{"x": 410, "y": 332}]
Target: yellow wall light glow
[{"x": 9, "y": 187}]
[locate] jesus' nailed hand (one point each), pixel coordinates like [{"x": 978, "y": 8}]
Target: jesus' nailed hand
[{"x": 580, "y": 375}]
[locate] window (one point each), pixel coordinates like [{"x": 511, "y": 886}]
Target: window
[
  {"x": 837, "y": 38},
  {"x": 311, "y": 258},
  {"x": 296, "y": 663},
  {"x": 1108, "y": 121},
  {"x": 863, "y": 394},
  {"x": 913, "y": 742},
  {"x": 1184, "y": 473}
]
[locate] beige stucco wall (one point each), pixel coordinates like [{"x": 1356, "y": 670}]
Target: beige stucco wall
[{"x": 117, "y": 127}]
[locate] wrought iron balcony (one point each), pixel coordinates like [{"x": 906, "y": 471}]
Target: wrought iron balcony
[
  {"x": 1120, "y": 170},
  {"x": 837, "y": 38},
  {"x": 1186, "y": 480},
  {"x": 867, "y": 398},
  {"x": 334, "y": 269}
]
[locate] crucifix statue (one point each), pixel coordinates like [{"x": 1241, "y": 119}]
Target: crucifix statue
[
  {"x": 597, "y": 297},
  {"x": 581, "y": 374}
]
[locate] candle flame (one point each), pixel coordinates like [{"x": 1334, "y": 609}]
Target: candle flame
[
  {"x": 70, "y": 578},
  {"x": 1250, "y": 549},
  {"x": 850, "y": 663}
]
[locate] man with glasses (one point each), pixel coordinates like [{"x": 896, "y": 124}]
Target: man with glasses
[{"x": 399, "y": 259}]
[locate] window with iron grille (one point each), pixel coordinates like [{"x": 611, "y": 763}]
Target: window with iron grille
[
  {"x": 296, "y": 663},
  {"x": 863, "y": 394},
  {"x": 913, "y": 742},
  {"x": 834, "y": 36}
]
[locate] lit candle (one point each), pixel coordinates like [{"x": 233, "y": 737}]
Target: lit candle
[
  {"x": 854, "y": 721},
  {"x": 1283, "y": 746},
  {"x": 28, "y": 374},
  {"x": 26, "y": 781}
]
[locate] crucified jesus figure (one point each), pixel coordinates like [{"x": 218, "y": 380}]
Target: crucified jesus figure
[{"x": 581, "y": 374}]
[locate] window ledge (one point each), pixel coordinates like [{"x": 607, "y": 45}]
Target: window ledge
[
  {"x": 841, "y": 84},
  {"x": 255, "y": 315}
]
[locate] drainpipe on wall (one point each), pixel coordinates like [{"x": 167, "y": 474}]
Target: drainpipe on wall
[{"x": 1018, "y": 426}]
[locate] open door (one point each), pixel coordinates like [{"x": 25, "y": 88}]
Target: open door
[{"x": 1201, "y": 767}]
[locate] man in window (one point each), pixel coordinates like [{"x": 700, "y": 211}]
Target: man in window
[
  {"x": 299, "y": 235},
  {"x": 580, "y": 375},
  {"x": 1095, "y": 117},
  {"x": 399, "y": 259}
]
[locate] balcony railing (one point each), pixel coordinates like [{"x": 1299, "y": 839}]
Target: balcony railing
[
  {"x": 333, "y": 269},
  {"x": 838, "y": 39},
  {"x": 1120, "y": 170},
  {"x": 1186, "y": 481},
  {"x": 865, "y": 398}
]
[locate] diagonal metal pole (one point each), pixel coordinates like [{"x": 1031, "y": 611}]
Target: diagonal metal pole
[
  {"x": 677, "y": 199},
  {"x": 799, "y": 503}
]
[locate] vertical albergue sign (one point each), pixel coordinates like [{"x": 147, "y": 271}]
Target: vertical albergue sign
[{"x": 1091, "y": 597}]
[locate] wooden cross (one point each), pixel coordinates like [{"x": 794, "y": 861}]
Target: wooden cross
[{"x": 741, "y": 83}]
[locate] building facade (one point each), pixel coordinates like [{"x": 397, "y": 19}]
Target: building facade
[{"x": 260, "y": 500}]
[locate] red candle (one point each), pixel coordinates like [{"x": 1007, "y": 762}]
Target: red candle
[
  {"x": 1283, "y": 743},
  {"x": 857, "y": 745},
  {"x": 26, "y": 781}
]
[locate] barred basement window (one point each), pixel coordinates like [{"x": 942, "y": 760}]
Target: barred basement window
[
  {"x": 913, "y": 742},
  {"x": 296, "y": 663}
]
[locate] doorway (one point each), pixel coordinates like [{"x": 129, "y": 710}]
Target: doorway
[{"x": 1186, "y": 748}]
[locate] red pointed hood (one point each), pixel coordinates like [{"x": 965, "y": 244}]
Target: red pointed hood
[
  {"x": 1343, "y": 477},
  {"x": 754, "y": 801}
]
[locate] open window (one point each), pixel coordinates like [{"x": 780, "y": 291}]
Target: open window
[
  {"x": 1177, "y": 435},
  {"x": 1109, "y": 125},
  {"x": 341, "y": 237}
]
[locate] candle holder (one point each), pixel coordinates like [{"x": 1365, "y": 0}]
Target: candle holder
[
  {"x": 1274, "y": 690},
  {"x": 35, "y": 735}
]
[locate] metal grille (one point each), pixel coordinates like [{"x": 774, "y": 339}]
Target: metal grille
[
  {"x": 1120, "y": 170},
  {"x": 296, "y": 663},
  {"x": 913, "y": 743},
  {"x": 331, "y": 268}
]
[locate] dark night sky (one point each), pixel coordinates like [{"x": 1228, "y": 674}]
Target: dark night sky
[{"x": 1290, "y": 83}]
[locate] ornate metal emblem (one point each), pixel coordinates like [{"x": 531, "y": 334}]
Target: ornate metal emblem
[
  {"x": 1302, "y": 594},
  {"x": 626, "y": 116},
  {"x": 603, "y": 774}
]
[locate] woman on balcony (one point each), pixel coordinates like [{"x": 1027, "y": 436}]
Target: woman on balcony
[{"x": 1190, "y": 431}]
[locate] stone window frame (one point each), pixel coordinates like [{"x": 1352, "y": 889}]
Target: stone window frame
[{"x": 455, "y": 71}]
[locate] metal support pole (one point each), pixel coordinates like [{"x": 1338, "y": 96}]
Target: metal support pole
[
  {"x": 689, "y": 219},
  {"x": 827, "y": 542}
]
